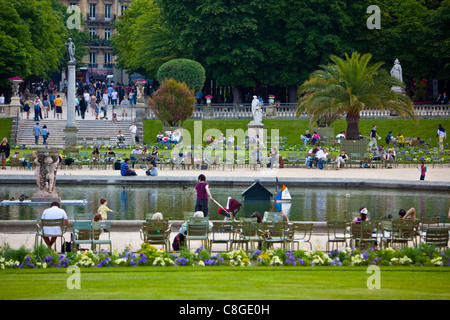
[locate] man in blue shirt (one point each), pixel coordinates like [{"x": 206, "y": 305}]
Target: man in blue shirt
[
  {"x": 37, "y": 132},
  {"x": 125, "y": 169}
]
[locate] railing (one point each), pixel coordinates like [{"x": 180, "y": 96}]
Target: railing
[{"x": 289, "y": 110}]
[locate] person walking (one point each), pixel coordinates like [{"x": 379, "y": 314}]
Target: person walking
[
  {"x": 45, "y": 134},
  {"x": 133, "y": 131},
  {"x": 422, "y": 170},
  {"x": 37, "y": 108},
  {"x": 83, "y": 107},
  {"x": 124, "y": 105},
  {"x": 442, "y": 135},
  {"x": 4, "y": 152},
  {"x": 373, "y": 136},
  {"x": 203, "y": 194},
  {"x": 37, "y": 132},
  {"x": 58, "y": 106}
]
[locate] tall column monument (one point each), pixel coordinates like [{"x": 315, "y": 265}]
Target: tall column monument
[{"x": 71, "y": 127}]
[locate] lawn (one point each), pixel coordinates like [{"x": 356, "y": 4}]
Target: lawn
[
  {"x": 5, "y": 128},
  {"x": 225, "y": 283},
  {"x": 293, "y": 128}
]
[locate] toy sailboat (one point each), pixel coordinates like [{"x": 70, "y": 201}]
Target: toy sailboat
[{"x": 283, "y": 195}]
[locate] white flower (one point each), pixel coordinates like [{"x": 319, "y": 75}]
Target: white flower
[
  {"x": 201, "y": 263},
  {"x": 437, "y": 261}
]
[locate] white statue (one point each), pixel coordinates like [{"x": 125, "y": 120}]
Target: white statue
[
  {"x": 256, "y": 110},
  {"x": 396, "y": 70},
  {"x": 71, "y": 49}
]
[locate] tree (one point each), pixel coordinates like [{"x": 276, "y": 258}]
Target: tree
[
  {"x": 78, "y": 36},
  {"x": 173, "y": 103},
  {"x": 349, "y": 86},
  {"x": 32, "y": 39},
  {"x": 183, "y": 70},
  {"x": 436, "y": 46},
  {"x": 142, "y": 43}
]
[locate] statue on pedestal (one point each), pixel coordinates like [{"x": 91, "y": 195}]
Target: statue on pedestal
[
  {"x": 71, "y": 49},
  {"x": 46, "y": 167},
  {"x": 256, "y": 110},
  {"x": 396, "y": 70}
]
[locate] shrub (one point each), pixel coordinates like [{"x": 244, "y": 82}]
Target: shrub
[
  {"x": 173, "y": 103},
  {"x": 183, "y": 70}
]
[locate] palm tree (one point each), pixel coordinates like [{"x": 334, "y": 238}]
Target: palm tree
[{"x": 350, "y": 86}]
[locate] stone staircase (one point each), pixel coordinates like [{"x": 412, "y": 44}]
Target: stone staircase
[{"x": 89, "y": 131}]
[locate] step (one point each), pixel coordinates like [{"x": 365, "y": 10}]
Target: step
[{"x": 86, "y": 129}]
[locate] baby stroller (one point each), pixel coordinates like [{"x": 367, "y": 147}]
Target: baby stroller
[{"x": 232, "y": 208}]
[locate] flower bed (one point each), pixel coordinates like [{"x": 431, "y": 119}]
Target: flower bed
[{"x": 148, "y": 255}]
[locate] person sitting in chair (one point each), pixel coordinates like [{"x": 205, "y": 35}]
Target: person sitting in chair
[{"x": 51, "y": 233}]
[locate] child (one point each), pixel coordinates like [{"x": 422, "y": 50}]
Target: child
[
  {"x": 114, "y": 117},
  {"x": 422, "y": 170},
  {"x": 103, "y": 209}
]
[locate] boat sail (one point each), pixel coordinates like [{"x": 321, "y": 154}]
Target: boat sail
[{"x": 283, "y": 195}]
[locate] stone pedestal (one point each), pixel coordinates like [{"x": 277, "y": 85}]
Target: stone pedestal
[
  {"x": 254, "y": 129},
  {"x": 70, "y": 145},
  {"x": 46, "y": 166},
  {"x": 270, "y": 111},
  {"x": 140, "y": 111},
  {"x": 208, "y": 112},
  {"x": 71, "y": 127}
]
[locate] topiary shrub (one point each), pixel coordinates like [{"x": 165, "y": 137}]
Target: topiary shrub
[{"x": 183, "y": 70}]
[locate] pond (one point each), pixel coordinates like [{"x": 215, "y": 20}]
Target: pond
[{"x": 307, "y": 204}]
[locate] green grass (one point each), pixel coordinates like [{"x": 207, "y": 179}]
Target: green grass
[
  {"x": 293, "y": 128},
  {"x": 225, "y": 283},
  {"x": 5, "y": 128}
]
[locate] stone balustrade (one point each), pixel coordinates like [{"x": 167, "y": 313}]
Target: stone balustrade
[
  {"x": 289, "y": 110},
  {"x": 279, "y": 111}
]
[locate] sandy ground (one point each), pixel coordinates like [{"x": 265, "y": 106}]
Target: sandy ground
[
  {"x": 411, "y": 173},
  {"x": 122, "y": 240}
]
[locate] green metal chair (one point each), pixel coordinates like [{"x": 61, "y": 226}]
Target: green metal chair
[
  {"x": 437, "y": 236},
  {"x": 299, "y": 232},
  {"x": 222, "y": 233},
  {"x": 272, "y": 232},
  {"x": 403, "y": 231},
  {"x": 198, "y": 229},
  {"x": 337, "y": 233},
  {"x": 99, "y": 228},
  {"x": 362, "y": 234},
  {"x": 42, "y": 230},
  {"x": 245, "y": 232},
  {"x": 82, "y": 234},
  {"x": 156, "y": 232}
]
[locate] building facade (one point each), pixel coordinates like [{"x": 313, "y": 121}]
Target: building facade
[{"x": 99, "y": 16}]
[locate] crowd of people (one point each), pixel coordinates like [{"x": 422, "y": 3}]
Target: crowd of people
[
  {"x": 94, "y": 97},
  {"x": 318, "y": 154}
]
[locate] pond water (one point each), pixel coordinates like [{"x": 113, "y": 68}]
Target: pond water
[{"x": 307, "y": 204}]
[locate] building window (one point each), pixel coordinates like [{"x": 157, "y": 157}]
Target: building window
[
  {"x": 123, "y": 8},
  {"x": 93, "y": 58},
  {"x": 92, "y": 10},
  {"x": 92, "y": 32},
  {"x": 108, "y": 11},
  {"x": 107, "y": 57},
  {"x": 107, "y": 34}
]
